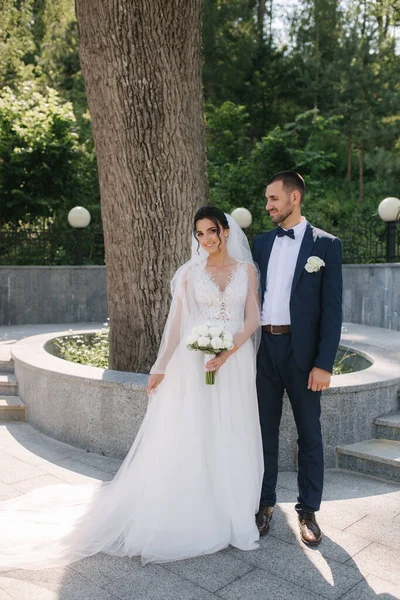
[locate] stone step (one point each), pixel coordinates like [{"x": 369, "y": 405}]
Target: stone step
[
  {"x": 388, "y": 427},
  {"x": 8, "y": 384},
  {"x": 6, "y": 366},
  {"x": 12, "y": 409},
  {"x": 380, "y": 458}
]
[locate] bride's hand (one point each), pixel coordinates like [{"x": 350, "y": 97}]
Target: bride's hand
[
  {"x": 216, "y": 363},
  {"x": 153, "y": 382}
]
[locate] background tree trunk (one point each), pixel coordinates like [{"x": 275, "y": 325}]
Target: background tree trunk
[
  {"x": 141, "y": 63},
  {"x": 361, "y": 171},
  {"x": 349, "y": 155}
]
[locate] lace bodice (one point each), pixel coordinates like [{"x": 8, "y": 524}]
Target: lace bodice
[{"x": 219, "y": 306}]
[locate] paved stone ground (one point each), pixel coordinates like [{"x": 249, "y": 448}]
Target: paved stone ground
[{"x": 358, "y": 559}]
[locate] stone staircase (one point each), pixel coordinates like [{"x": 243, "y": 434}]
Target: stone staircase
[
  {"x": 380, "y": 456},
  {"x": 11, "y": 406}
]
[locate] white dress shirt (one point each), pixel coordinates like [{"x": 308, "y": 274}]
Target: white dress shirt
[{"x": 281, "y": 267}]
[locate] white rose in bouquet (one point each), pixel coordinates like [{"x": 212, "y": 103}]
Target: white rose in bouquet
[
  {"x": 228, "y": 344},
  {"x": 192, "y": 338},
  {"x": 203, "y": 341},
  {"x": 228, "y": 336},
  {"x": 217, "y": 343},
  {"x": 215, "y": 331},
  {"x": 202, "y": 330}
]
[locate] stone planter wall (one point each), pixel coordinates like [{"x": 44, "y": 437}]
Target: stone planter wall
[{"x": 101, "y": 410}]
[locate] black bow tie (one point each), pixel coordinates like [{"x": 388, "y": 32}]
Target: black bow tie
[{"x": 281, "y": 232}]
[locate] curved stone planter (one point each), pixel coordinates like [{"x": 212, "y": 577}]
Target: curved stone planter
[{"x": 101, "y": 410}]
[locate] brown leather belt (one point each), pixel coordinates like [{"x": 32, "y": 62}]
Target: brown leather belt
[{"x": 276, "y": 329}]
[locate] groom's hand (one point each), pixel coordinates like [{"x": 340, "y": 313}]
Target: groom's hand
[{"x": 319, "y": 380}]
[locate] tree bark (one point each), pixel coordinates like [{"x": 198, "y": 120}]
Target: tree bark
[
  {"x": 361, "y": 156},
  {"x": 349, "y": 155},
  {"x": 261, "y": 10},
  {"x": 141, "y": 63}
]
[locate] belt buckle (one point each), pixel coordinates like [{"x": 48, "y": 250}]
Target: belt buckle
[{"x": 272, "y": 330}]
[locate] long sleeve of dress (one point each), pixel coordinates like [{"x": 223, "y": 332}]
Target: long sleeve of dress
[{"x": 251, "y": 323}]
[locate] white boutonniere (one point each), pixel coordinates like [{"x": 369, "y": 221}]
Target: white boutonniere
[{"x": 314, "y": 264}]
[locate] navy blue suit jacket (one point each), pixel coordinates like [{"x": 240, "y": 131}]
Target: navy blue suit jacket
[{"x": 316, "y": 298}]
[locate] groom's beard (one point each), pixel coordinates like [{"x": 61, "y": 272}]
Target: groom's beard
[{"x": 282, "y": 217}]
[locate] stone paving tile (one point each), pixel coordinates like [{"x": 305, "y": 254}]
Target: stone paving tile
[
  {"x": 153, "y": 582},
  {"x": 13, "y": 470},
  {"x": 288, "y": 479},
  {"x": 378, "y": 529},
  {"x": 75, "y": 471},
  {"x": 377, "y": 559},
  {"x": 341, "y": 545},
  {"x": 36, "y": 454},
  {"x": 28, "y": 485},
  {"x": 211, "y": 572},
  {"x": 104, "y": 463},
  {"x": 51, "y": 584},
  {"x": 284, "y": 524},
  {"x": 260, "y": 585},
  {"x": 372, "y": 587},
  {"x": 339, "y": 514},
  {"x": 340, "y": 485},
  {"x": 102, "y": 568},
  {"x": 8, "y": 491},
  {"x": 305, "y": 568},
  {"x": 336, "y": 544},
  {"x": 12, "y": 433}
]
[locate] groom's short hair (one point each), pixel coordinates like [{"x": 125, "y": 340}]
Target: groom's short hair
[{"x": 291, "y": 181}]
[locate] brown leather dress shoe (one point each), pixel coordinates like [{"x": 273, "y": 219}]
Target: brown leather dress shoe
[
  {"x": 263, "y": 519},
  {"x": 310, "y": 532}
]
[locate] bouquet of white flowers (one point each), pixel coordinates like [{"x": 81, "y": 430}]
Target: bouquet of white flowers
[{"x": 209, "y": 340}]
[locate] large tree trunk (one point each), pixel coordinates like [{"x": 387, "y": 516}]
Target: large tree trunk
[
  {"x": 141, "y": 63},
  {"x": 361, "y": 178},
  {"x": 349, "y": 155}
]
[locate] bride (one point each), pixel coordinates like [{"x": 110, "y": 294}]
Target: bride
[{"x": 190, "y": 485}]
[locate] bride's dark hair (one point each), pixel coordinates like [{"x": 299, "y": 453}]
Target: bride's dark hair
[{"x": 215, "y": 215}]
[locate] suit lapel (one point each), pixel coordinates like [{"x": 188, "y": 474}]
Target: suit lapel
[
  {"x": 266, "y": 257},
  {"x": 310, "y": 236}
]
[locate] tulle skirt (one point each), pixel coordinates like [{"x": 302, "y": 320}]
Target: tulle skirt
[{"x": 190, "y": 484}]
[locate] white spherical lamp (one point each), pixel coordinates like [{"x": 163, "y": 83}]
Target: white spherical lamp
[
  {"x": 242, "y": 217},
  {"x": 389, "y": 209},
  {"x": 79, "y": 217}
]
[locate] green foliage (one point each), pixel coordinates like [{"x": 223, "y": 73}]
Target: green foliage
[
  {"x": 44, "y": 165},
  {"x": 16, "y": 41},
  {"x": 86, "y": 348},
  {"x": 324, "y": 100},
  {"x": 302, "y": 145},
  {"x": 92, "y": 349}
]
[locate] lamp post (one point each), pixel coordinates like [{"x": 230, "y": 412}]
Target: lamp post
[
  {"x": 389, "y": 211},
  {"x": 79, "y": 218},
  {"x": 242, "y": 217}
]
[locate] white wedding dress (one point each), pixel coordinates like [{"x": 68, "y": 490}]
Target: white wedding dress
[{"x": 190, "y": 484}]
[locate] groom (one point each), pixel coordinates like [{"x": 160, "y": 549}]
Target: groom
[{"x": 301, "y": 317}]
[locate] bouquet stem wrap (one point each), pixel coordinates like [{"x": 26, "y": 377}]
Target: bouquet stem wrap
[{"x": 210, "y": 375}]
